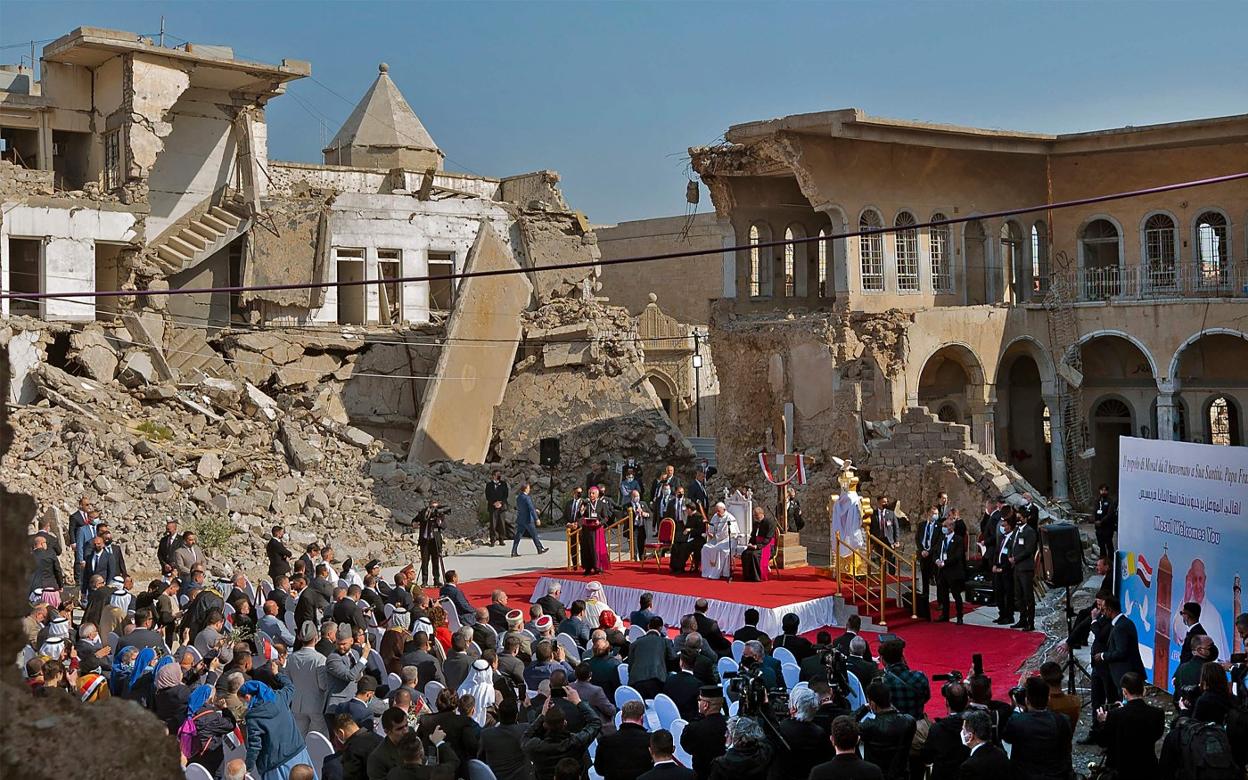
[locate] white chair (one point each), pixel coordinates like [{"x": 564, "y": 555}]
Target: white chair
[
  {"x": 376, "y": 666},
  {"x": 375, "y": 636},
  {"x": 196, "y": 772},
  {"x": 452, "y": 614},
  {"x": 184, "y": 599},
  {"x": 394, "y": 682},
  {"x": 783, "y": 655},
  {"x": 635, "y": 632},
  {"x": 479, "y": 770},
  {"x": 388, "y": 611},
  {"x": 799, "y": 686},
  {"x": 622, "y": 670},
  {"x": 619, "y": 718},
  {"x": 432, "y": 689},
  {"x": 529, "y": 634},
  {"x": 289, "y": 620},
  {"x": 474, "y": 649},
  {"x": 856, "y": 697},
  {"x": 319, "y": 748},
  {"x": 492, "y": 632},
  {"x": 592, "y": 750},
  {"x": 791, "y": 674},
  {"x": 666, "y": 710},
  {"x": 726, "y": 665},
  {"x": 732, "y": 709},
  {"x": 569, "y": 647},
  {"x": 627, "y": 693},
  {"x": 677, "y": 728},
  {"x": 738, "y": 647}
]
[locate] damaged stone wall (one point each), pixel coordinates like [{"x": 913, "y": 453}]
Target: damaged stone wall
[
  {"x": 288, "y": 247},
  {"x": 555, "y": 238}
]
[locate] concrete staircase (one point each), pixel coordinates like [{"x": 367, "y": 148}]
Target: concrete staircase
[
  {"x": 705, "y": 447},
  {"x": 202, "y": 234}
]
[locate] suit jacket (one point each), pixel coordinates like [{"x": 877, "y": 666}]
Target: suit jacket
[
  {"x": 279, "y": 557},
  {"x": 668, "y": 770},
  {"x": 697, "y": 494},
  {"x": 921, "y": 534},
  {"x": 842, "y": 643},
  {"x": 169, "y": 543},
  {"x": 103, "y": 563},
  {"x": 1040, "y": 742},
  {"x": 682, "y": 687},
  {"x": 458, "y": 599},
  {"x": 496, "y": 491},
  {"x": 186, "y": 557},
  {"x": 624, "y": 755},
  {"x": 703, "y": 739},
  {"x": 711, "y": 633},
  {"x": 596, "y": 697},
  {"x": 640, "y": 617},
  {"x": 884, "y": 526},
  {"x": 306, "y": 668},
  {"x": 575, "y": 628},
  {"x": 648, "y": 657},
  {"x": 310, "y": 605},
  {"x": 748, "y": 633},
  {"x": 501, "y": 748},
  {"x": 847, "y": 766},
  {"x": 954, "y": 550},
  {"x": 1186, "y": 653},
  {"x": 455, "y": 669},
  {"x": 1024, "y": 549},
  {"x": 526, "y": 513},
  {"x": 1130, "y": 734},
  {"x": 988, "y": 762},
  {"x": 512, "y": 668},
  {"x": 342, "y": 673},
  {"x": 347, "y": 610},
  {"x": 1122, "y": 649},
  {"x": 46, "y": 571},
  {"x": 498, "y": 616},
  {"x": 553, "y": 607}
]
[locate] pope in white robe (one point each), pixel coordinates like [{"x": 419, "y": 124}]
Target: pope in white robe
[
  {"x": 723, "y": 538},
  {"x": 847, "y": 522}
]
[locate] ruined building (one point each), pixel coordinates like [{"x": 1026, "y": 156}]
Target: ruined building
[{"x": 339, "y": 409}]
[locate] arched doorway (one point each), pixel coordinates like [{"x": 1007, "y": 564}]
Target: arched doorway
[
  {"x": 1099, "y": 247},
  {"x": 976, "y": 271},
  {"x": 667, "y": 397},
  {"x": 1212, "y": 375},
  {"x": 951, "y": 383},
  {"x": 1111, "y": 418},
  {"x": 1012, "y": 261},
  {"x": 1022, "y": 439}
]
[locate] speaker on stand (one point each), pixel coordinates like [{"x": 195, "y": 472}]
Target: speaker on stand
[
  {"x": 1061, "y": 562},
  {"x": 548, "y": 456}
]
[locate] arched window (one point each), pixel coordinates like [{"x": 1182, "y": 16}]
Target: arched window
[
  {"x": 1159, "y": 254},
  {"x": 1039, "y": 258},
  {"x": 949, "y": 413},
  {"x": 907, "y": 244},
  {"x": 822, "y": 249},
  {"x": 790, "y": 265},
  {"x": 1011, "y": 259},
  {"x": 1212, "y": 248},
  {"x": 1046, "y": 425},
  {"x": 1099, "y": 245},
  {"x": 871, "y": 251},
  {"x": 1223, "y": 421},
  {"x": 938, "y": 248},
  {"x": 760, "y": 276}
]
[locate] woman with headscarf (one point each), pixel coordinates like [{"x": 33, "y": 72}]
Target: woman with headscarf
[
  {"x": 123, "y": 667},
  {"x": 391, "y": 650},
  {"x": 274, "y": 744},
  {"x": 92, "y": 687},
  {"x": 441, "y": 631},
  {"x": 171, "y": 695},
  {"x": 205, "y": 747},
  {"x": 480, "y": 685},
  {"x": 609, "y": 622},
  {"x": 141, "y": 683}
]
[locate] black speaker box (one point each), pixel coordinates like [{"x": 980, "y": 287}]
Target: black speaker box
[
  {"x": 1061, "y": 555},
  {"x": 548, "y": 452}
]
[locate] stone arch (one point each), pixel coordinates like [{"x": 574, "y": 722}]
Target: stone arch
[
  {"x": 1135, "y": 342},
  {"x": 1013, "y": 253},
  {"x": 791, "y": 276},
  {"x": 1024, "y": 377},
  {"x": 666, "y": 389},
  {"x": 975, "y": 263},
  {"x": 1173, "y": 370},
  {"x": 829, "y": 271},
  {"x": 1211, "y": 364},
  {"x": 953, "y": 375},
  {"x": 758, "y": 265},
  {"x": 1102, "y": 256}
]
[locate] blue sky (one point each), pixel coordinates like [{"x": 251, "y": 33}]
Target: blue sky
[{"x": 611, "y": 94}]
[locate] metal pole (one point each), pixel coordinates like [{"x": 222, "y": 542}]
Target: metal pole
[
  {"x": 697, "y": 383},
  {"x": 162, "y": 32}
]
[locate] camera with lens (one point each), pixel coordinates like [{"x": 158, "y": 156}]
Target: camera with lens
[
  {"x": 1018, "y": 697},
  {"x": 836, "y": 666},
  {"x": 747, "y": 688},
  {"x": 1186, "y": 696}
]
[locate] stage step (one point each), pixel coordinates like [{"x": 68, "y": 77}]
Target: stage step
[{"x": 704, "y": 446}]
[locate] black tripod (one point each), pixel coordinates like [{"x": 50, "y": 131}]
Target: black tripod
[{"x": 1072, "y": 663}]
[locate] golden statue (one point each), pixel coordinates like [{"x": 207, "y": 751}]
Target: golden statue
[{"x": 851, "y": 518}]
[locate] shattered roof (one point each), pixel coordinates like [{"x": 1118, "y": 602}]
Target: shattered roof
[{"x": 383, "y": 119}]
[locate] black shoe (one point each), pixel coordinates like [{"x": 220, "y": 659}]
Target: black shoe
[
  {"x": 1004, "y": 621},
  {"x": 960, "y": 620},
  {"x": 515, "y": 555},
  {"x": 942, "y": 619},
  {"x": 543, "y": 550},
  {"x": 1019, "y": 624}
]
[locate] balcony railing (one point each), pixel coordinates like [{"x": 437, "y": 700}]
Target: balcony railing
[{"x": 1185, "y": 280}]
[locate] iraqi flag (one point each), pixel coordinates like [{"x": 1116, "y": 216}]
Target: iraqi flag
[{"x": 1143, "y": 570}]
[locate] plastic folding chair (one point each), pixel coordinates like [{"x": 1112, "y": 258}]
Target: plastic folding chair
[
  {"x": 622, "y": 671},
  {"x": 791, "y": 672},
  {"x": 627, "y": 693},
  {"x": 569, "y": 647},
  {"x": 738, "y": 649},
  {"x": 784, "y": 656},
  {"x": 432, "y": 689},
  {"x": 677, "y": 728},
  {"x": 319, "y": 748},
  {"x": 856, "y": 697},
  {"x": 666, "y": 710},
  {"x": 479, "y": 770},
  {"x": 726, "y": 665}
]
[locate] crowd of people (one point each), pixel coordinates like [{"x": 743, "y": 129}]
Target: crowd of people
[{"x": 322, "y": 669}]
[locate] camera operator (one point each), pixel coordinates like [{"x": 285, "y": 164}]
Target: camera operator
[
  {"x": 943, "y": 748},
  {"x": 748, "y": 753},
  {"x": 998, "y": 712},
  {"x": 859, "y": 661},
  {"x": 804, "y": 741},
  {"x": 1040, "y": 739},
  {"x": 430, "y": 522},
  {"x": 815, "y": 667},
  {"x": 703, "y": 738},
  {"x": 1129, "y": 733},
  {"x": 908, "y": 687},
  {"x": 752, "y": 658},
  {"x": 831, "y": 706},
  {"x": 888, "y": 735}
]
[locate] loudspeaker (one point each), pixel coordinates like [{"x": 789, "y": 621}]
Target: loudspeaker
[
  {"x": 548, "y": 450},
  {"x": 1061, "y": 555}
]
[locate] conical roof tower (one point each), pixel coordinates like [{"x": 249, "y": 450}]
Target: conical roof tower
[{"x": 384, "y": 132}]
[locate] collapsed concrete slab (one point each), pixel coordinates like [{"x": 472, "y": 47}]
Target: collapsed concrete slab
[{"x": 484, "y": 330}]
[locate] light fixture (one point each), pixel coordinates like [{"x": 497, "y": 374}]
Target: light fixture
[{"x": 697, "y": 361}]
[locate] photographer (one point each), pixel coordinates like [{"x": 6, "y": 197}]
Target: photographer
[
  {"x": 804, "y": 741},
  {"x": 998, "y": 712},
  {"x": 943, "y": 748},
  {"x": 430, "y": 522},
  {"x": 908, "y": 688},
  {"x": 1040, "y": 739},
  {"x": 1237, "y": 718},
  {"x": 1129, "y": 733},
  {"x": 886, "y": 737}
]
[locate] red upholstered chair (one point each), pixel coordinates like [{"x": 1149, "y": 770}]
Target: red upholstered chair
[
  {"x": 667, "y": 532},
  {"x": 768, "y": 551}
]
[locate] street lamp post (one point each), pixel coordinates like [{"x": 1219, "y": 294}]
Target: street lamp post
[{"x": 697, "y": 383}]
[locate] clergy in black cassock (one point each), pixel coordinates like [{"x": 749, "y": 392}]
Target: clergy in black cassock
[{"x": 756, "y": 557}]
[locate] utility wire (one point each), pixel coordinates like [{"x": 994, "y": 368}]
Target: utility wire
[{"x": 648, "y": 258}]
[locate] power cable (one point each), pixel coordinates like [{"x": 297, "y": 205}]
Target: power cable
[{"x": 883, "y": 230}]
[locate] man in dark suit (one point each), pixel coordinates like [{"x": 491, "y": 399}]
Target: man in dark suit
[
  {"x": 710, "y": 630},
  {"x": 1129, "y": 733},
  {"x": 641, "y": 616},
  {"x": 813, "y": 667},
  {"x": 500, "y": 745},
  {"x": 99, "y": 561},
  {"x": 278, "y": 553},
  {"x": 526, "y": 521},
  {"x": 667, "y": 479},
  {"x": 951, "y": 569},
  {"x": 1122, "y": 647},
  {"x": 682, "y": 686},
  {"x": 310, "y": 603},
  {"x": 703, "y": 738},
  {"x": 1039, "y": 738},
  {"x": 496, "y": 493},
  {"x": 574, "y": 624},
  {"x": 1105, "y": 518},
  {"x": 428, "y": 667},
  {"x": 853, "y": 625},
  {"x": 987, "y": 761},
  {"x": 648, "y": 659},
  {"x": 348, "y": 610},
  {"x": 458, "y": 663},
  {"x": 169, "y": 543},
  {"x": 429, "y": 524},
  {"x": 846, "y": 765},
  {"x": 750, "y": 630},
  {"x": 926, "y": 536},
  {"x": 467, "y": 613},
  {"x": 497, "y": 610},
  {"x": 697, "y": 490},
  {"x": 662, "y": 750},
  {"x": 997, "y": 550},
  {"x": 1191, "y": 619},
  {"x": 551, "y": 605},
  {"x": 625, "y": 755},
  {"x": 1023, "y": 561},
  {"x": 791, "y": 640},
  {"x": 45, "y": 568}
]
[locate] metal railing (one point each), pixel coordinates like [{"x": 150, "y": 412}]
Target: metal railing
[
  {"x": 865, "y": 576},
  {"x": 619, "y": 541},
  {"x": 1183, "y": 280}
]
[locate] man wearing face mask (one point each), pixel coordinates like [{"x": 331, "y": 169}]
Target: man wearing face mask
[
  {"x": 944, "y": 748},
  {"x": 926, "y": 540},
  {"x": 986, "y": 761},
  {"x": 951, "y": 567}
]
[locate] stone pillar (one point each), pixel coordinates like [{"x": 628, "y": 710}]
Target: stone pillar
[
  {"x": 983, "y": 420},
  {"x": 1166, "y": 419},
  {"x": 1057, "y": 449}
]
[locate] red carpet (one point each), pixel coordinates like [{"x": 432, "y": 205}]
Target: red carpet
[{"x": 934, "y": 648}]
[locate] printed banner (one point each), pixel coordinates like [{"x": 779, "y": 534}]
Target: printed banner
[{"x": 1182, "y": 536}]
